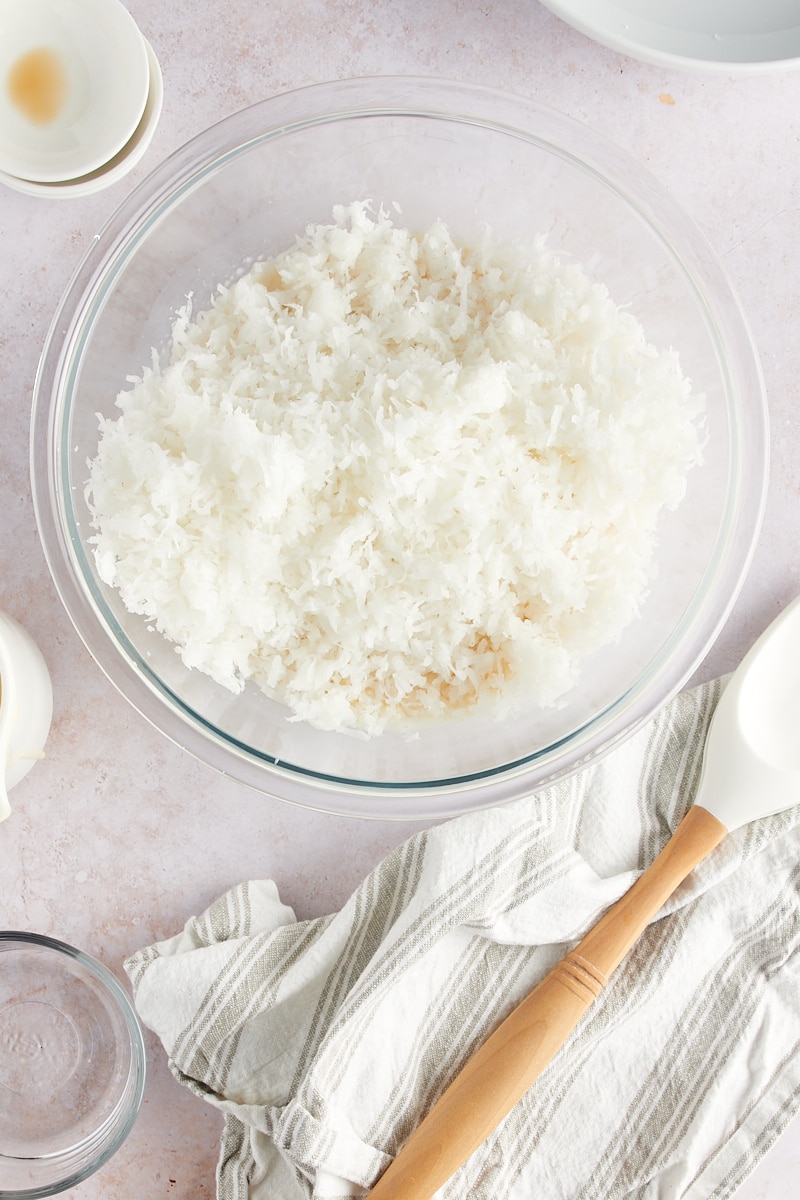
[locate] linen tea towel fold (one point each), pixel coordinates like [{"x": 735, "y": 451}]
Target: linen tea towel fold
[{"x": 324, "y": 1042}]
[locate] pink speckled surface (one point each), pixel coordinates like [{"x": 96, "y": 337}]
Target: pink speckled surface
[{"x": 116, "y": 837}]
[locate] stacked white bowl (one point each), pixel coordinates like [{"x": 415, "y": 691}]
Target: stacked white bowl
[{"x": 81, "y": 95}]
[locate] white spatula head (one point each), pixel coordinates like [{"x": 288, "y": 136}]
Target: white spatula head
[{"x": 751, "y": 767}]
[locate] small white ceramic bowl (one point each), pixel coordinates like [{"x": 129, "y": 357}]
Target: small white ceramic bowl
[
  {"x": 75, "y": 81},
  {"x": 117, "y": 167}
]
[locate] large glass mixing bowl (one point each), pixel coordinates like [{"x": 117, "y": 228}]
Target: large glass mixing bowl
[{"x": 243, "y": 190}]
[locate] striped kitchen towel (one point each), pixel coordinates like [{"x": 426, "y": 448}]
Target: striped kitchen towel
[{"x": 325, "y": 1041}]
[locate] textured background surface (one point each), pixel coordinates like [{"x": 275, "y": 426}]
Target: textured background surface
[{"x": 117, "y": 836}]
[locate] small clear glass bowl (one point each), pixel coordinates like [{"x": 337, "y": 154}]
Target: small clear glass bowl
[
  {"x": 72, "y": 1066},
  {"x": 473, "y": 157}
]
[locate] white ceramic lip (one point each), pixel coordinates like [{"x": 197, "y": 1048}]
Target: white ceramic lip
[
  {"x": 122, "y": 162},
  {"x": 26, "y": 705},
  {"x": 722, "y": 36},
  {"x": 87, "y": 996},
  {"x": 107, "y": 73}
]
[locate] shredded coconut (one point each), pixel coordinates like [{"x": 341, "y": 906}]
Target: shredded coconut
[{"x": 385, "y": 475}]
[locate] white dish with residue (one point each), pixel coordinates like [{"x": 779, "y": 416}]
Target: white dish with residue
[
  {"x": 75, "y": 80},
  {"x": 726, "y": 36},
  {"x": 117, "y": 167}
]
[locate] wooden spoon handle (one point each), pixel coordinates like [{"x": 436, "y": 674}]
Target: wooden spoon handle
[{"x": 500, "y": 1073}]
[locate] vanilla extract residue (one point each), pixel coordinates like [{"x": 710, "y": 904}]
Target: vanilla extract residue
[{"x": 37, "y": 85}]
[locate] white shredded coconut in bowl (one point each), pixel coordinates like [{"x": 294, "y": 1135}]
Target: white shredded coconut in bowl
[{"x": 385, "y": 476}]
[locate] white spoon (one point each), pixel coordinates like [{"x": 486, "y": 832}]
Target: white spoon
[{"x": 751, "y": 769}]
